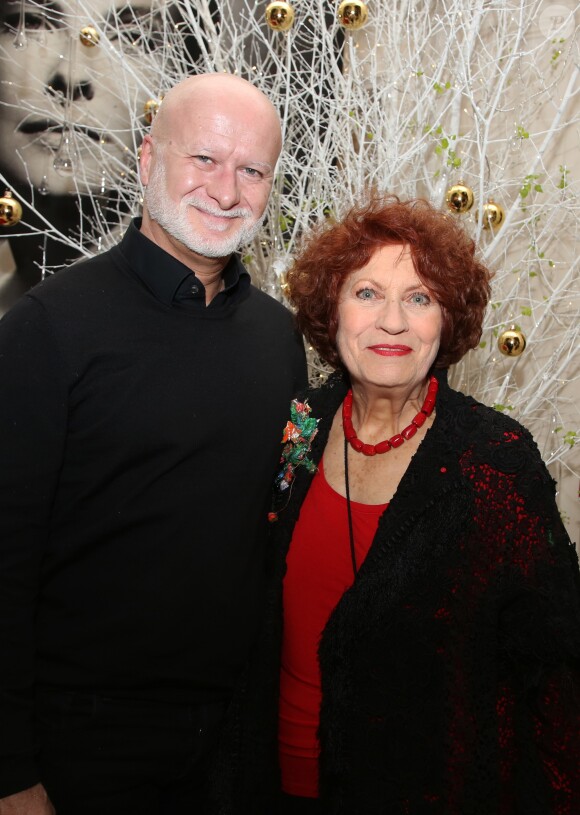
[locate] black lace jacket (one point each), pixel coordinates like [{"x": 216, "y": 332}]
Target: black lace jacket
[{"x": 451, "y": 668}]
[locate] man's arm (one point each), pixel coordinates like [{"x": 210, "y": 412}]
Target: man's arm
[{"x": 33, "y": 409}]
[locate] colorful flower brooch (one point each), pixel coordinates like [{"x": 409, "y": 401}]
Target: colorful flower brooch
[{"x": 297, "y": 439}]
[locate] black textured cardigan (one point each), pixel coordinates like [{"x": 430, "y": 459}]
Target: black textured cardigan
[{"x": 451, "y": 667}]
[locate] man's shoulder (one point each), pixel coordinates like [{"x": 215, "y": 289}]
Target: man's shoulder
[
  {"x": 268, "y": 306},
  {"x": 80, "y": 276}
]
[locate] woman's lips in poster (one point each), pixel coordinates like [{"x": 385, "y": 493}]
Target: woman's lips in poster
[{"x": 33, "y": 126}]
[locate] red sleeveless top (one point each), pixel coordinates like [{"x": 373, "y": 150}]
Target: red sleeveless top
[{"x": 319, "y": 572}]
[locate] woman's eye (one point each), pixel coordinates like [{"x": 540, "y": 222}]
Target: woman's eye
[
  {"x": 132, "y": 35},
  {"x": 32, "y": 22},
  {"x": 133, "y": 28},
  {"x": 365, "y": 294},
  {"x": 419, "y": 298}
]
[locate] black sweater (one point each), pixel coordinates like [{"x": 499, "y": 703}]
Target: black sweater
[{"x": 139, "y": 433}]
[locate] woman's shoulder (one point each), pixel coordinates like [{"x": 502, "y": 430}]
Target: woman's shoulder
[
  {"x": 325, "y": 398},
  {"x": 491, "y": 435},
  {"x": 480, "y": 420}
]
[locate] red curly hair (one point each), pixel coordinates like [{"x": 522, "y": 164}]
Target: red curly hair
[{"x": 443, "y": 255}]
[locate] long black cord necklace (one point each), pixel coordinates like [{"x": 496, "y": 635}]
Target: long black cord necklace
[
  {"x": 349, "y": 510},
  {"x": 350, "y": 437}
]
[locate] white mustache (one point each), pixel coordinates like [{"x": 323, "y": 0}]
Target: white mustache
[{"x": 218, "y": 213}]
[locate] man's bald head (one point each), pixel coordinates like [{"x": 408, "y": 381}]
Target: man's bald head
[{"x": 222, "y": 91}]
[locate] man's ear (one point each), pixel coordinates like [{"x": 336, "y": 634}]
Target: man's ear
[{"x": 145, "y": 159}]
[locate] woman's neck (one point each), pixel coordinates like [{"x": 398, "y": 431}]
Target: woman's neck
[{"x": 380, "y": 412}]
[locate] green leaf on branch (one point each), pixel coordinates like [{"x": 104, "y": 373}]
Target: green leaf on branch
[
  {"x": 563, "y": 177},
  {"x": 530, "y": 183}
]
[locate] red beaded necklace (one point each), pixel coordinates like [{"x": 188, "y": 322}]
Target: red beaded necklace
[
  {"x": 350, "y": 437},
  {"x": 394, "y": 441}
]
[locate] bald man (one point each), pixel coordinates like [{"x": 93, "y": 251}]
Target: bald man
[{"x": 144, "y": 392}]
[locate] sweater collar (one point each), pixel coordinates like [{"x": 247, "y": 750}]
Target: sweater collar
[{"x": 169, "y": 280}]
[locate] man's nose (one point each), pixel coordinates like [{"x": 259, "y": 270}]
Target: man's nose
[{"x": 224, "y": 188}]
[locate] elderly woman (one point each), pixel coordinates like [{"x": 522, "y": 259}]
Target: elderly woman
[{"x": 422, "y": 644}]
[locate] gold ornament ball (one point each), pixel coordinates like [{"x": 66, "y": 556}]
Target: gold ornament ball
[
  {"x": 89, "y": 36},
  {"x": 10, "y": 210},
  {"x": 492, "y": 215},
  {"x": 150, "y": 109},
  {"x": 280, "y": 16},
  {"x": 511, "y": 343},
  {"x": 352, "y": 14},
  {"x": 459, "y": 198}
]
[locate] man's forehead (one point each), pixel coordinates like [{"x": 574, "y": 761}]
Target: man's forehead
[{"x": 226, "y": 133}]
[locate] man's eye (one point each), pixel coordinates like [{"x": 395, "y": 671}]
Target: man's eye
[{"x": 252, "y": 171}]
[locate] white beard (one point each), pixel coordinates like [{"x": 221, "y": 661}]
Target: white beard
[{"x": 173, "y": 219}]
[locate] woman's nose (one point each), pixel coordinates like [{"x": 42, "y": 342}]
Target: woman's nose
[
  {"x": 391, "y": 317},
  {"x": 58, "y": 86}
]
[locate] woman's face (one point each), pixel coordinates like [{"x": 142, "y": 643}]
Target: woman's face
[
  {"x": 107, "y": 89},
  {"x": 389, "y": 325}
]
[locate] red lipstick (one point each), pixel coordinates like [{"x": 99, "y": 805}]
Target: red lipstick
[{"x": 384, "y": 350}]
